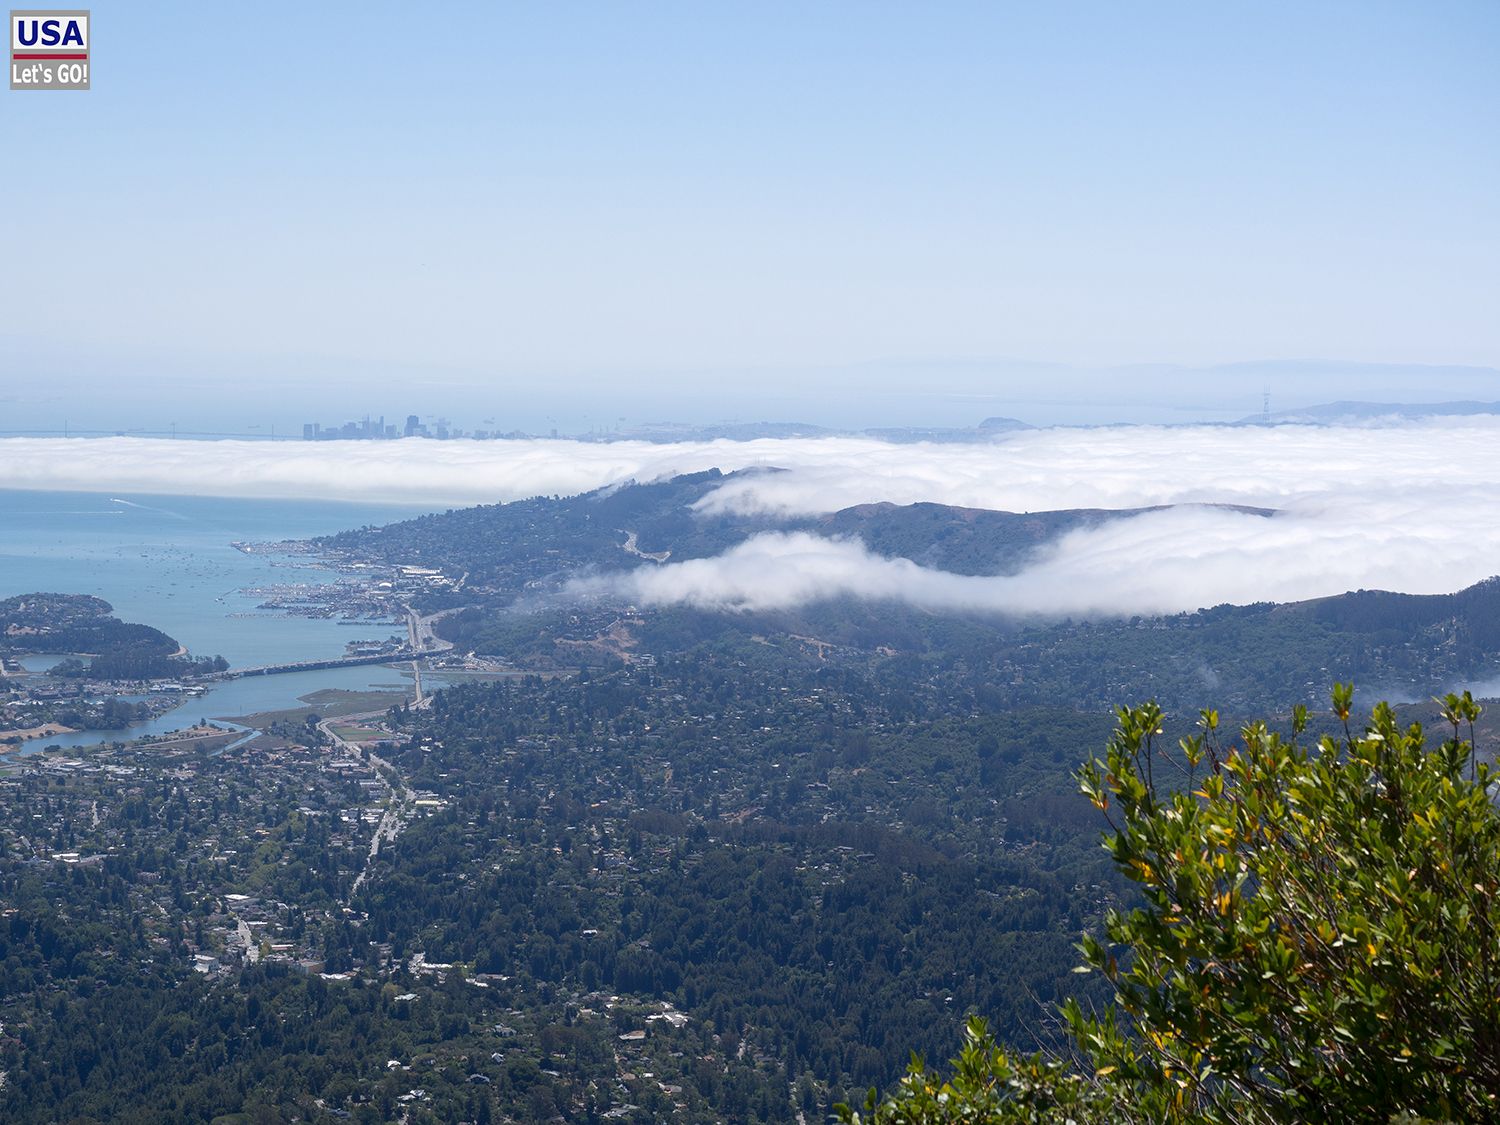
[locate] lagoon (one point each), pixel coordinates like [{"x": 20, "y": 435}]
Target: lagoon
[{"x": 237, "y": 698}]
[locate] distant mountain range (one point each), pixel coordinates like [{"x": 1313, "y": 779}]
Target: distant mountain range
[
  {"x": 1332, "y": 413},
  {"x": 992, "y": 429}
]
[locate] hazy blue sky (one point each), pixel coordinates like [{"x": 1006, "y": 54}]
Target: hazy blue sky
[{"x": 755, "y": 209}]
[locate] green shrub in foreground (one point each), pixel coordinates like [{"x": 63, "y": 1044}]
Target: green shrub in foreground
[{"x": 1318, "y": 940}]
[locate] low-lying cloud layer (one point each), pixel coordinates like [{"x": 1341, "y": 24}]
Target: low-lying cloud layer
[
  {"x": 1412, "y": 506},
  {"x": 1160, "y": 562},
  {"x": 415, "y": 471}
]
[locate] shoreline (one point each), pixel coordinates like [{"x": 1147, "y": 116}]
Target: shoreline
[{"x": 46, "y": 730}]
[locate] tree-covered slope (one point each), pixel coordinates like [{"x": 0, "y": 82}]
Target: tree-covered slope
[
  {"x": 502, "y": 548},
  {"x": 74, "y": 623}
]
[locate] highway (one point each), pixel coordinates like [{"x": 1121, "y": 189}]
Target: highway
[
  {"x": 398, "y": 798},
  {"x": 419, "y": 632}
]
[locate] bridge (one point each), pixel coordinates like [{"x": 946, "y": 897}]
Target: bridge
[
  {"x": 319, "y": 665},
  {"x": 421, "y": 641}
]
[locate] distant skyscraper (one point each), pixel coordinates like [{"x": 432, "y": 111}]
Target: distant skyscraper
[
  {"x": 413, "y": 424},
  {"x": 309, "y": 431}
]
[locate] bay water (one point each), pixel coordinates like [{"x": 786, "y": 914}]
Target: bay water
[{"x": 168, "y": 562}]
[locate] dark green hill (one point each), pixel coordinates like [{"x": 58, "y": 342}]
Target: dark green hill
[
  {"x": 83, "y": 625},
  {"x": 505, "y": 548},
  {"x": 1475, "y": 612},
  {"x": 77, "y": 623},
  {"x": 1403, "y": 646},
  {"x": 969, "y": 540}
]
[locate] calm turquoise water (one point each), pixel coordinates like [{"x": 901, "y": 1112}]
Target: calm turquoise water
[{"x": 166, "y": 561}]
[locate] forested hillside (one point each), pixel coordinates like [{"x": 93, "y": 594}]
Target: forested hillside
[
  {"x": 1402, "y": 647},
  {"x": 110, "y": 649},
  {"x": 504, "y": 548},
  {"x": 75, "y": 623},
  {"x": 503, "y": 560}
]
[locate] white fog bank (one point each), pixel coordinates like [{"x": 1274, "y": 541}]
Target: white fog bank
[{"x": 1409, "y": 506}]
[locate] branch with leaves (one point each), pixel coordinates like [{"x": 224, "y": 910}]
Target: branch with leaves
[{"x": 1316, "y": 937}]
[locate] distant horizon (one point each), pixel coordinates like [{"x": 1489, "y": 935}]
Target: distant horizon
[{"x": 950, "y": 394}]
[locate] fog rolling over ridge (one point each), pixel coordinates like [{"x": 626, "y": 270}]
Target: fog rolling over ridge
[{"x": 1410, "y": 506}]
